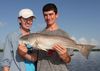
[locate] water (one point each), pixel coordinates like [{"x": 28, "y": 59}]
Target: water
[{"x": 79, "y": 63}]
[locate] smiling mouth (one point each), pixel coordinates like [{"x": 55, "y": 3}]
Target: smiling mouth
[{"x": 28, "y": 25}]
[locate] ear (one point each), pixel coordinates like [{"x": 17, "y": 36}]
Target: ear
[
  {"x": 19, "y": 19},
  {"x": 57, "y": 15}
]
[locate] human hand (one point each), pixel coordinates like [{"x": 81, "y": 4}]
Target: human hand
[
  {"x": 5, "y": 68},
  {"x": 62, "y": 51},
  {"x": 33, "y": 57},
  {"x": 22, "y": 50}
]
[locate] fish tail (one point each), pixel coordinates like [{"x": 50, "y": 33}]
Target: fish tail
[{"x": 85, "y": 49}]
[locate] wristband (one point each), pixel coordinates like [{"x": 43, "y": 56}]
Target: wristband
[{"x": 29, "y": 47}]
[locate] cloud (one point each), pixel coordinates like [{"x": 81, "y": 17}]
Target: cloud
[
  {"x": 94, "y": 41},
  {"x": 2, "y": 24},
  {"x": 91, "y": 41},
  {"x": 83, "y": 40}
]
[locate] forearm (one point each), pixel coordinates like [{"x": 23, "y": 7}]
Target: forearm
[
  {"x": 30, "y": 57},
  {"x": 6, "y": 68},
  {"x": 66, "y": 58}
]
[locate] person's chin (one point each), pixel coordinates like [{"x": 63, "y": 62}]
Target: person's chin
[
  {"x": 28, "y": 27},
  {"x": 49, "y": 23}
]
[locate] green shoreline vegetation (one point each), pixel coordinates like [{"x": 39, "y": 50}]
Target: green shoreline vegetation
[
  {"x": 91, "y": 50},
  {"x": 1, "y": 50}
]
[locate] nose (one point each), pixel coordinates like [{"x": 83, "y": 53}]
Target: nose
[
  {"x": 28, "y": 21},
  {"x": 48, "y": 16}
]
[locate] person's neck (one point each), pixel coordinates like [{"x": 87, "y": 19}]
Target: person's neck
[
  {"x": 52, "y": 27},
  {"x": 24, "y": 32}
]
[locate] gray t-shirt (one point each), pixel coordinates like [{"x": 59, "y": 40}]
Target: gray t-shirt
[{"x": 50, "y": 61}]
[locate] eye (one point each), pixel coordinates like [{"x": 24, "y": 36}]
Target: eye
[{"x": 51, "y": 14}]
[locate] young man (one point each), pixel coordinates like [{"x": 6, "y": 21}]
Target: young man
[
  {"x": 56, "y": 59},
  {"x": 11, "y": 59}
]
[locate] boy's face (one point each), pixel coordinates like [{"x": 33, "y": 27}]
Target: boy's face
[{"x": 50, "y": 17}]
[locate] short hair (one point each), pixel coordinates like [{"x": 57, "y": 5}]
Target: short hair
[{"x": 49, "y": 7}]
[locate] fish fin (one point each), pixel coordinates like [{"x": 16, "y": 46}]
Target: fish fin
[{"x": 85, "y": 49}]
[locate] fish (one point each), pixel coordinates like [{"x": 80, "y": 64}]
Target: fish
[{"x": 45, "y": 42}]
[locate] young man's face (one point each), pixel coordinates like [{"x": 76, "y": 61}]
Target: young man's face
[
  {"x": 26, "y": 23},
  {"x": 50, "y": 17}
]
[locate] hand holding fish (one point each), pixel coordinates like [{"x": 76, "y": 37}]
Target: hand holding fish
[
  {"x": 22, "y": 51},
  {"x": 62, "y": 53}
]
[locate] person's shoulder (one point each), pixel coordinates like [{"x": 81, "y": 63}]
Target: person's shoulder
[
  {"x": 11, "y": 34},
  {"x": 61, "y": 31}
]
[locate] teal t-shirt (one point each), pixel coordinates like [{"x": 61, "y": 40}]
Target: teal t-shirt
[{"x": 30, "y": 66}]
